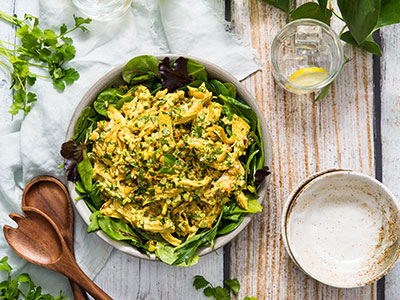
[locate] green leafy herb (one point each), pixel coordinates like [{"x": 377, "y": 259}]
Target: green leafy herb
[
  {"x": 218, "y": 292},
  {"x": 145, "y": 68},
  {"x": 85, "y": 170},
  {"x": 21, "y": 287},
  {"x": 41, "y": 49},
  {"x": 140, "y": 69}
]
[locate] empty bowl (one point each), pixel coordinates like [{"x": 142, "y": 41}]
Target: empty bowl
[{"x": 342, "y": 228}]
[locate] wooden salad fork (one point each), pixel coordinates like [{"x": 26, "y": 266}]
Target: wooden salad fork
[
  {"x": 50, "y": 196},
  {"x": 38, "y": 240}
]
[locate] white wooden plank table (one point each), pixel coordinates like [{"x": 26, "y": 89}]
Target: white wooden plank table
[{"x": 356, "y": 126}]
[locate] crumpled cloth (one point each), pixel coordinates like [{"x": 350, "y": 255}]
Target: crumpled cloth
[{"x": 30, "y": 146}]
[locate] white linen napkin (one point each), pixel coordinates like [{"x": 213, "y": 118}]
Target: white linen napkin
[{"x": 30, "y": 147}]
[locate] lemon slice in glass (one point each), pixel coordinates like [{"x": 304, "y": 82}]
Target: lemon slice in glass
[{"x": 306, "y": 77}]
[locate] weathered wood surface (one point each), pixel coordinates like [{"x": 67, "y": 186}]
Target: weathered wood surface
[
  {"x": 307, "y": 137},
  {"x": 390, "y": 71}
]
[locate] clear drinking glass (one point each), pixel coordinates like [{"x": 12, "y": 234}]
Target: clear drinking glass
[
  {"x": 103, "y": 10},
  {"x": 306, "y": 55}
]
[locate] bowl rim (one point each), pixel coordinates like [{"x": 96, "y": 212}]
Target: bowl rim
[
  {"x": 289, "y": 203},
  {"x": 111, "y": 78},
  {"x": 322, "y": 177}
]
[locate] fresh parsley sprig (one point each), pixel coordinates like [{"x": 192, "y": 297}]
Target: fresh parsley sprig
[
  {"x": 218, "y": 292},
  {"x": 39, "y": 48},
  {"x": 22, "y": 286}
]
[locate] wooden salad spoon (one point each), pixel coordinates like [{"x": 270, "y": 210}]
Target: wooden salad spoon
[
  {"x": 38, "y": 240},
  {"x": 51, "y": 197}
]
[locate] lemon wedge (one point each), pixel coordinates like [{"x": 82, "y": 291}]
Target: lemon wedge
[{"x": 306, "y": 77}]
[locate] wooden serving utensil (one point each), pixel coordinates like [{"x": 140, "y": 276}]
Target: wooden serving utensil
[
  {"x": 38, "y": 240},
  {"x": 51, "y": 197}
]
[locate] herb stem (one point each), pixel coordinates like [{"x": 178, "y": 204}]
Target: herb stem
[
  {"x": 339, "y": 17},
  {"x": 37, "y": 65},
  {"x": 341, "y": 31}
]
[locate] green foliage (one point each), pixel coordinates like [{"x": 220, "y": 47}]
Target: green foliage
[
  {"x": 106, "y": 98},
  {"x": 361, "y": 17},
  {"x": 21, "y": 287},
  {"x": 85, "y": 170},
  {"x": 185, "y": 254},
  {"x": 313, "y": 11},
  {"x": 218, "y": 292},
  {"x": 368, "y": 45},
  {"x": 390, "y": 13},
  {"x": 39, "y": 48}
]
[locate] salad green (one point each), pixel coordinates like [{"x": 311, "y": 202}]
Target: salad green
[{"x": 157, "y": 75}]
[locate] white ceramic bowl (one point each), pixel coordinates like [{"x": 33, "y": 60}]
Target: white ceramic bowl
[
  {"x": 290, "y": 200},
  {"x": 114, "y": 77},
  {"x": 343, "y": 229}
]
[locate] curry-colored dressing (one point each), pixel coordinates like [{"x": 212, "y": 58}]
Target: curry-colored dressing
[{"x": 167, "y": 164}]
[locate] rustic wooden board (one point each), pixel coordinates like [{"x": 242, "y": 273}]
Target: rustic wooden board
[
  {"x": 390, "y": 95},
  {"x": 307, "y": 137}
]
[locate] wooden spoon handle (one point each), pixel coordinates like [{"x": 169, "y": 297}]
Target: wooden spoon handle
[
  {"x": 75, "y": 273},
  {"x": 86, "y": 283},
  {"x": 79, "y": 293}
]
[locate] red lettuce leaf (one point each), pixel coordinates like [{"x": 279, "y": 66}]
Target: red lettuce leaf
[
  {"x": 73, "y": 155},
  {"x": 261, "y": 174},
  {"x": 176, "y": 77}
]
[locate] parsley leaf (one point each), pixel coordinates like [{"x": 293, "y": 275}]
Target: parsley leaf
[
  {"x": 218, "y": 292},
  {"x": 21, "y": 287},
  {"x": 200, "y": 282},
  {"x": 39, "y": 48}
]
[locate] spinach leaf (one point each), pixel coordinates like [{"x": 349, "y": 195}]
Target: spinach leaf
[
  {"x": 361, "y": 17},
  {"x": 121, "y": 101},
  {"x": 368, "y": 45},
  {"x": 116, "y": 229},
  {"x": 82, "y": 123},
  {"x": 242, "y": 110},
  {"x": 390, "y": 13},
  {"x": 312, "y": 10},
  {"x": 94, "y": 223},
  {"x": 85, "y": 170},
  {"x": 144, "y": 65},
  {"x": 168, "y": 255},
  {"x": 231, "y": 89},
  {"x": 218, "y": 88},
  {"x": 95, "y": 196},
  {"x": 284, "y": 5},
  {"x": 108, "y": 97},
  {"x": 186, "y": 251},
  {"x": 231, "y": 226},
  {"x": 196, "y": 70}
]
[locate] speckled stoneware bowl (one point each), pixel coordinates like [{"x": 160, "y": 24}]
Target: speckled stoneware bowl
[
  {"x": 343, "y": 229},
  {"x": 114, "y": 77},
  {"x": 290, "y": 200}
]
